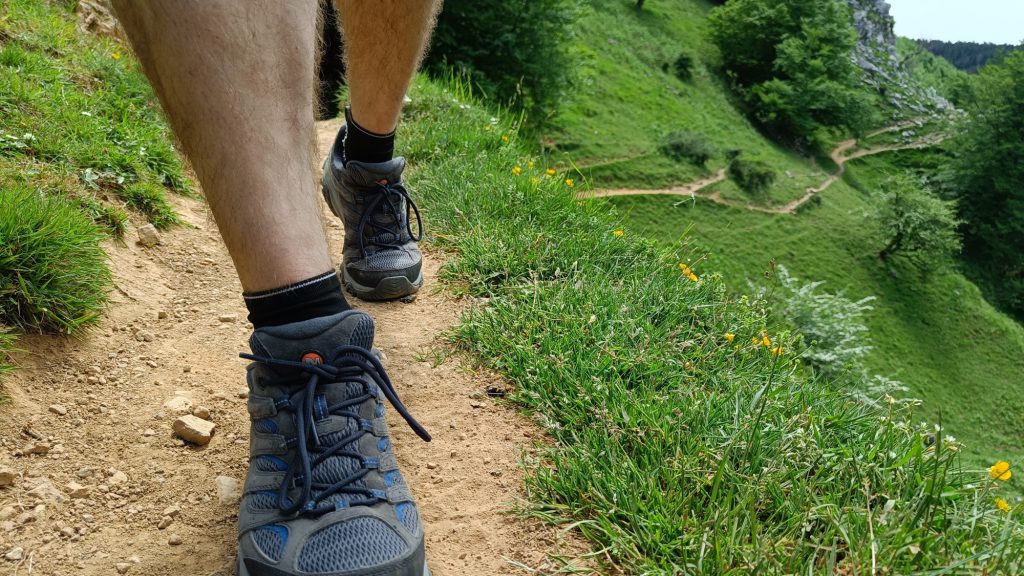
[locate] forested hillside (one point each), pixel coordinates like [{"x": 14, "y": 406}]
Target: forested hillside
[{"x": 967, "y": 56}]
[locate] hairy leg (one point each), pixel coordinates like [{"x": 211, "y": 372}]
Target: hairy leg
[
  {"x": 237, "y": 82},
  {"x": 384, "y": 42}
]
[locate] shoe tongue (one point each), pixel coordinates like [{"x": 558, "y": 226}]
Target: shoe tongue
[
  {"x": 370, "y": 174},
  {"x": 314, "y": 340}
]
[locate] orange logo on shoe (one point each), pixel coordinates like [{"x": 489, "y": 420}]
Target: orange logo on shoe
[{"x": 312, "y": 358}]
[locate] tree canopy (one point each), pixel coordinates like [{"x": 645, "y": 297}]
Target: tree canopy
[
  {"x": 989, "y": 181},
  {"x": 791, "y": 62}
]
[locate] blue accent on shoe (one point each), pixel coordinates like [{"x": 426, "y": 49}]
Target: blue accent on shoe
[
  {"x": 382, "y": 444},
  {"x": 271, "y": 540},
  {"x": 265, "y": 426}
]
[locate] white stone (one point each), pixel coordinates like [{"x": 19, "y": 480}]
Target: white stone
[{"x": 229, "y": 490}]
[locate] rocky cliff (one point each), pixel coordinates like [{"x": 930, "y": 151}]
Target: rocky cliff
[{"x": 876, "y": 55}]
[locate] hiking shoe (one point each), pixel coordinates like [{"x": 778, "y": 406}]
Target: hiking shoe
[
  {"x": 324, "y": 495},
  {"x": 380, "y": 258}
]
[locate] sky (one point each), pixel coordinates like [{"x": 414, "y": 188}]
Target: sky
[{"x": 996, "y": 21}]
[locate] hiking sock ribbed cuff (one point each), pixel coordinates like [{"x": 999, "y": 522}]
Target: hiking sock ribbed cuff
[
  {"x": 362, "y": 145},
  {"x": 310, "y": 298}
]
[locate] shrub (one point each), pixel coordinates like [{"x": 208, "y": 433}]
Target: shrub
[
  {"x": 914, "y": 223},
  {"x": 514, "y": 52},
  {"x": 753, "y": 176},
  {"x": 682, "y": 145},
  {"x": 683, "y": 67},
  {"x": 832, "y": 325},
  {"x": 53, "y": 273}
]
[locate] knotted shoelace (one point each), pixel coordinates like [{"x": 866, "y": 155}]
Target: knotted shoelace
[
  {"x": 349, "y": 365},
  {"x": 391, "y": 197}
]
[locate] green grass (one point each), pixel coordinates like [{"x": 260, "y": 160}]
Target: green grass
[
  {"x": 7, "y": 339},
  {"x": 53, "y": 272},
  {"x": 77, "y": 119},
  {"x": 934, "y": 333},
  {"x": 626, "y": 102},
  {"x": 675, "y": 450},
  {"x": 82, "y": 146}
]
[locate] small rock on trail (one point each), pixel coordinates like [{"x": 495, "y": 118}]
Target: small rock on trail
[{"x": 194, "y": 430}]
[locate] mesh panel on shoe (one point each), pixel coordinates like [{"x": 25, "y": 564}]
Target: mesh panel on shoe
[
  {"x": 269, "y": 464},
  {"x": 350, "y": 545},
  {"x": 408, "y": 516},
  {"x": 387, "y": 260},
  {"x": 262, "y": 501},
  {"x": 270, "y": 540}
]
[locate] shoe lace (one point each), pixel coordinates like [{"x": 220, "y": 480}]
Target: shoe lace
[
  {"x": 389, "y": 197},
  {"x": 349, "y": 365}
]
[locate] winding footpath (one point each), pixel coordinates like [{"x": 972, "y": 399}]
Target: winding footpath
[{"x": 839, "y": 155}]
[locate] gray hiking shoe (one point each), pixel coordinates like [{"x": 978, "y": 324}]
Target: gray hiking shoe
[
  {"x": 324, "y": 495},
  {"x": 380, "y": 258}
]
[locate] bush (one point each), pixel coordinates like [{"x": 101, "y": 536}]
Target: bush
[
  {"x": 832, "y": 325},
  {"x": 514, "y": 52},
  {"x": 791, "y": 62},
  {"x": 914, "y": 223},
  {"x": 683, "y": 67},
  {"x": 53, "y": 273},
  {"x": 753, "y": 176},
  {"x": 682, "y": 145}
]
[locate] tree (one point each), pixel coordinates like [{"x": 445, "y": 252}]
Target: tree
[
  {"x": 914, "y": 223},
  {"x": 988, "y": 178},
  {"x": 516, "y": 52},
  {"x": 791, "y": 62}
]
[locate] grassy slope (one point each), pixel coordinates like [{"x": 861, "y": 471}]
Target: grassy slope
[
  {"x": 676, "y": 450},
  {"x": 78, "y": 120},
  {"x": 937, "y": 335},
  {"x": 626, "y": 103}
]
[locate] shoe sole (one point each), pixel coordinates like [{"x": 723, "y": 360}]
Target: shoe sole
[
  {"x": 240, "y": 569},
  {"x": 390, "y": 288}
]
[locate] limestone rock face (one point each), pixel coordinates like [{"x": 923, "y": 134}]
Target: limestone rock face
[{"x": 876, "y": 56}]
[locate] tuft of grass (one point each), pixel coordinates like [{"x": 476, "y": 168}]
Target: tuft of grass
[
  {"x": 688, "y": 437},
  {"x": 7, "y": 339},
  {"x": 53, "y": 272}
]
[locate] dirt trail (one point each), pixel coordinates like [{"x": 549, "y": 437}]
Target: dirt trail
[
  {"x": 95, "y": 503},
  {"x": 838, "y": 155}
]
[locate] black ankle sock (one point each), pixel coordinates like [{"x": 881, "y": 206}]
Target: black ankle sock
[
  {"x": 311, "y": 298},
  {"x": 362, "y": 145}
]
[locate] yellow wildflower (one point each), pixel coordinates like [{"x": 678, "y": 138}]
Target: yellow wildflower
[
  {"x": 618, "y": 233},
  {"x": 688, "y": 365},
  {"x": 1000, "y": 470},
  {"x": 550, "y": 171},
  {"x": 777, "y": 351},
  {"x": 692, "y": 276},
  {"x": 529, "y": 164},
  {"x": 504, "y": 138},
  {"x": 766, "y": 341},
  {"x": 729, "y": 337},
  {"x": 1002, "y": 505},
  {"x": 684, "y": 267},
  {"x": 517, "y": 170},
  {"x": 115, "y": 56},
  {"x": 569, "y": 182},
  {"x": 755, "y": 340}
]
